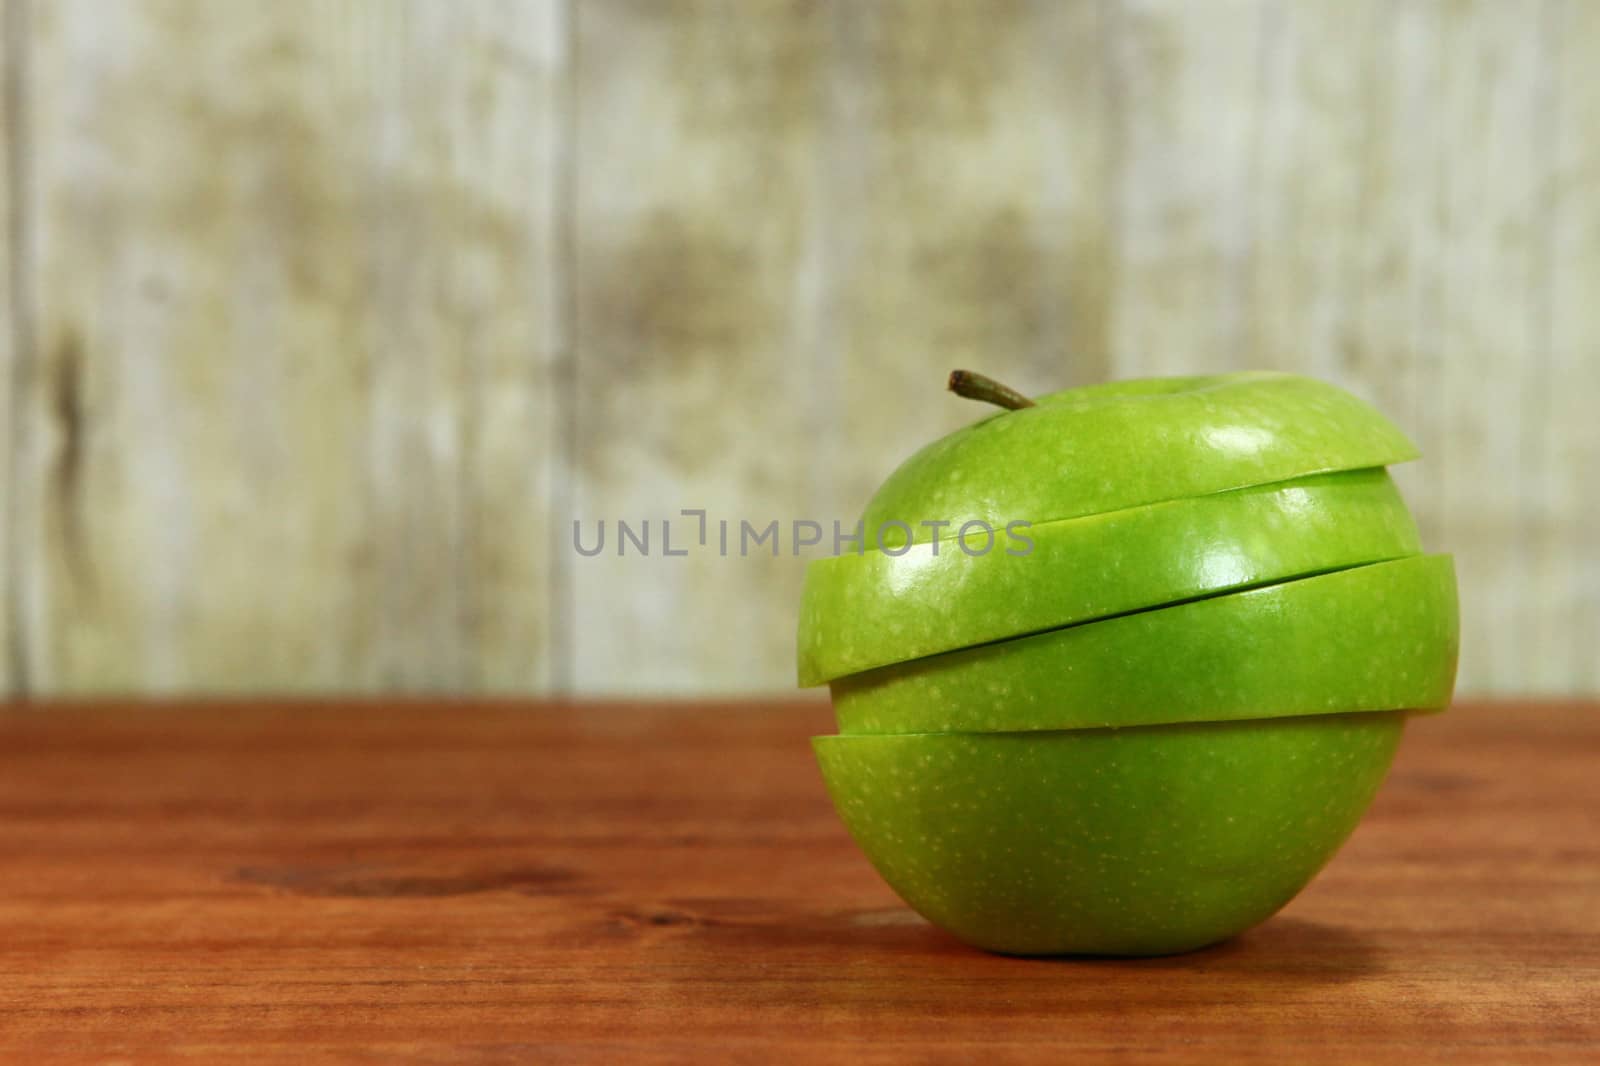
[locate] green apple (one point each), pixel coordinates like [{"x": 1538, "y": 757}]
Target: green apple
[
  {"x": 1378, "y": 637},
  {"x": 1109, "y": 447},
  {"x": 1141, "y": 841},
  {"x": 860, "y": 612},
  {"x": 1153, "y": 731}
]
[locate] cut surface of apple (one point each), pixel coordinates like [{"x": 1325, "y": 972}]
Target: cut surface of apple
[
  {"x": 1377, "y": 637},
  {"x": 1109, "y": 447},
  {"x": 1121, "y": 842},
  {"x": 860, "y": 612}
]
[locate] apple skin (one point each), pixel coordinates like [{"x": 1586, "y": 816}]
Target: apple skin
[
  {"x": 1125, "y": 444},
  {"x": 860, "y": 612},
  {"x": 1378, "y": 637},
  {"x": 1145, "y": 841}
]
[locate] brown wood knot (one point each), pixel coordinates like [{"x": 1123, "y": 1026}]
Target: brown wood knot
[
  {"x": 656, "y": 917},
  {"x": 365, "y": 881}
]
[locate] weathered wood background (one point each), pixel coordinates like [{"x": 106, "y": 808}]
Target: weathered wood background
[{"x": 326, "y": 319}]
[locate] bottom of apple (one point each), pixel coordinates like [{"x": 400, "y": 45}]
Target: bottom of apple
[{"x": 1139, "y": 841}]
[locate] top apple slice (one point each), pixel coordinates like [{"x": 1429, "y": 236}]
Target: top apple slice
[
  {"x": 1124, "y": 444},
  {"x": 860, "y": 612}
]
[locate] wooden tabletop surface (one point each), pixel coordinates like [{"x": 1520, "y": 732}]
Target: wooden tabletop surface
[{"x": 481, "y": 883}]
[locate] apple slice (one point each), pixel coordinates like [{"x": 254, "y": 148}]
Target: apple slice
[
  {"x": 1379, "y": 637},
  {"x": 1109, "y": 447},
  {"x": 859, "y": 612},
  {"x": 1119, "y": 842}
]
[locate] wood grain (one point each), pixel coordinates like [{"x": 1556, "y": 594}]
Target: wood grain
[
  {"x": 696, "y": 140},
  {"x": 193, "y": 442},
  {"x": 1495, "y": 104},
  {"x": 13, "y": 327},
  {"x": 1187, "y": 120},
  {"x": 292, "y": 338},
  {"x": 481, "y": 883},
  {"x": 1561, "y": 438},
  {"x": 324, "y": 322}
]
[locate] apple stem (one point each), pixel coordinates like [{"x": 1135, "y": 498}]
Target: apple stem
[{"x": 976, "y": 386}]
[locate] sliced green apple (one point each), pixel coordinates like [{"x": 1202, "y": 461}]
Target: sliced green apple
[
  {"x": 860, "y": 612},
  {"x": 1109, "y": 447},
  {"x": 1123, "y": 842},
  {"x": 1378, "y": 637}
]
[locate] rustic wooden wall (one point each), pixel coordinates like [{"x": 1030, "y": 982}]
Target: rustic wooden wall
[{"x": 327, "y": 319}]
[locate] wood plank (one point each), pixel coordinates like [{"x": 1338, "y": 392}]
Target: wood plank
[
  {"x": 13, "y": 325},
  {"x": 697, "y": 178},
  {"x": 289, "y": 294},
  {"x": 469, "y": 320},
  {"x": 1188, "y": 114},
  {"x": 507, "y": 883},
  {"x": 1561, "y": 435},
  {"x": 1482, "y": 347},
  {"x": 197, "y": 490},
  {"x": 1317, "y": 71}
]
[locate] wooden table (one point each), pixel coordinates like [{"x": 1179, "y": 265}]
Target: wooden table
[{"x": 503, "y": 883}]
